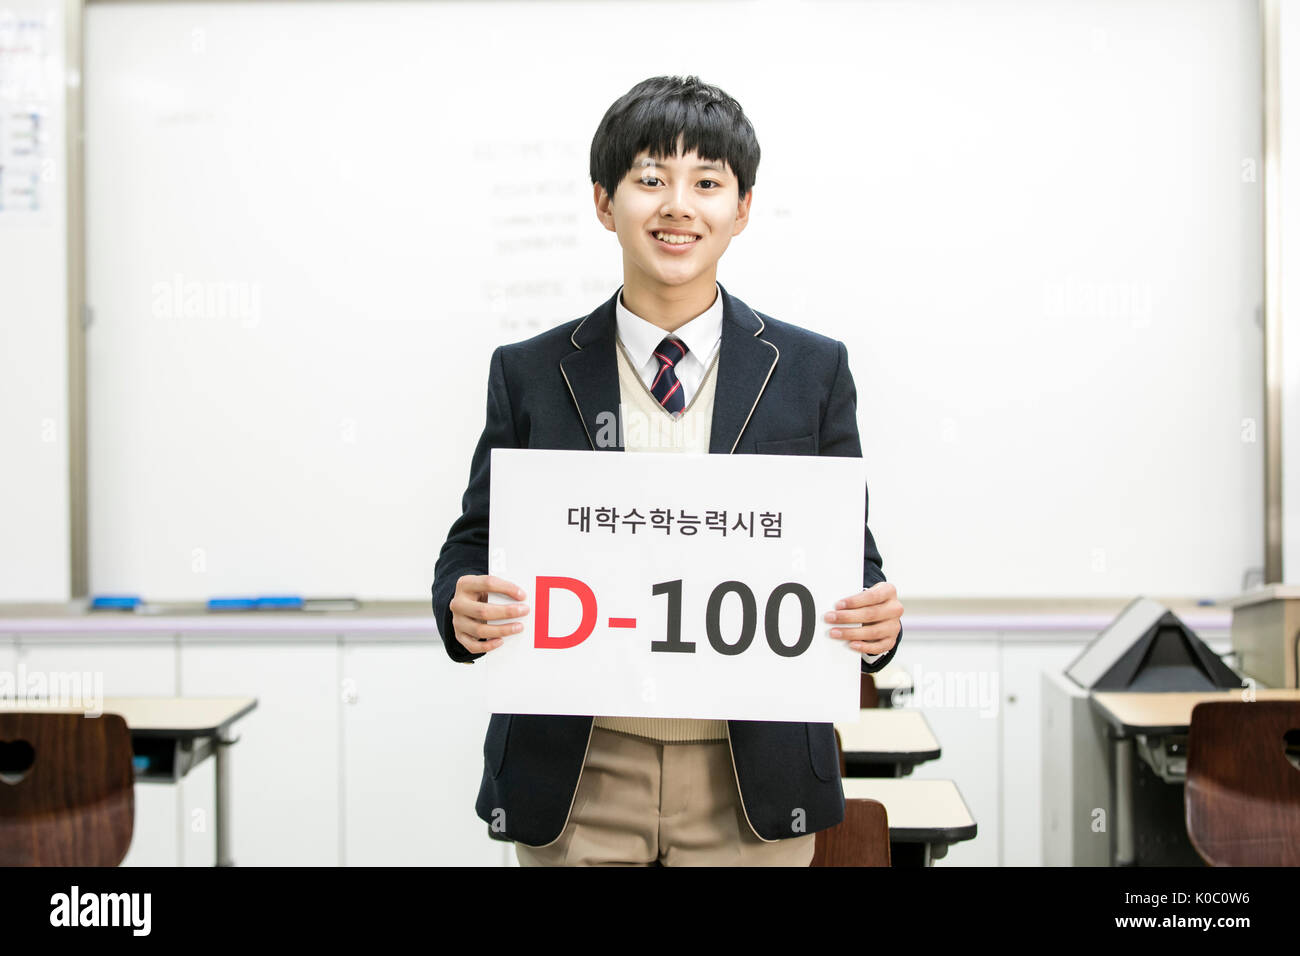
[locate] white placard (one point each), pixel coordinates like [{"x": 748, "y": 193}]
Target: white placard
[{"x": 619, "y": 611}]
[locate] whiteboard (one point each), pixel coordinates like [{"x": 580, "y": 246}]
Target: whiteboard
[
  {"x": 1289, "y": 270},
  {"x": 1036, "y": 226},
  {"x": 34, "y": 475}
]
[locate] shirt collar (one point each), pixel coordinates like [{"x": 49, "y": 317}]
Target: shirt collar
[{"x": 641, "y": 337}]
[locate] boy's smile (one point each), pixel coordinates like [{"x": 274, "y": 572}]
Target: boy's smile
[{"x": 674, "y": 218}]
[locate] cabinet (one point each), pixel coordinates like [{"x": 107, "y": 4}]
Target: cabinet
[
  {"x": 366, "y": 749},
  {"x": 1023, "y": 662},
  {"x": 285, "y": 771},
  {"x": 8, "y": 655},
  {"x": 955, "y": 683},
  {"x": 412, "y": 731}
]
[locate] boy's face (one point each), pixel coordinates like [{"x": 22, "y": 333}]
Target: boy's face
[{"x": 682, "y": 194}]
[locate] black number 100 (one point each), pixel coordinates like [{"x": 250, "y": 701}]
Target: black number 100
[{"x": 674, "y": 644}]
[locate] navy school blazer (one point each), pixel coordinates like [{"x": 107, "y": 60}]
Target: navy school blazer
[{"x": 781, "y": 390}]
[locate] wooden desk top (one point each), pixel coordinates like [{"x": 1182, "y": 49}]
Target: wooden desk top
[
  {"x": 889, "y": 732},
  {"x": 158, "y": 716},
  {"x": 920, "y": 811},
  {"x": 1168, "y": 713}
]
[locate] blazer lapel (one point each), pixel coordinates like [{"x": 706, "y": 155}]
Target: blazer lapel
[
  {"x": 745, "y": 364},
  {"x": 591, "y": 373}
]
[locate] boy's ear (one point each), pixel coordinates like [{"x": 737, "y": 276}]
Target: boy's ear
[
  {"x": 742, "y": 213},
  {"x": 604, "y": 212}
]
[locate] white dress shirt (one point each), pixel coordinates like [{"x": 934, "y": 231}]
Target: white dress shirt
[{"x": 702, "y": 336}]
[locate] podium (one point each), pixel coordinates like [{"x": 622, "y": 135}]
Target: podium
[{"x": 1266, "y": 632}]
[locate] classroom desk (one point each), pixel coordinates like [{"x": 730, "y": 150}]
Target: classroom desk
[
  {"x": 1155, "y": 727},
  {"x": 887, "y": 741},
  {"x": 174, "y": 735},
  {"x": 1168, "y": 713},
  {"x": 928, "y": 813}
]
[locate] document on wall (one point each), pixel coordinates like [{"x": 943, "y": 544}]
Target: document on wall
[{"x": 29, "y": 85}]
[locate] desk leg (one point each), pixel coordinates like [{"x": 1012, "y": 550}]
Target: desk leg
[
  {"x": 221, "y": 746},
  {"x": 1122, "y": 835}
]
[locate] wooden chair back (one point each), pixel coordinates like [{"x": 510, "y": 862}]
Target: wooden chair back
[
  {"x": 868, "y": 696},
  {"x": 861, "y": 838},
  {"x": 1242, "y": 796},
  {"x": 67, "y": 789}
]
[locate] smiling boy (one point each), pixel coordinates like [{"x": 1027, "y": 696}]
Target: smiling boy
[{"x": 673, "y": 164}]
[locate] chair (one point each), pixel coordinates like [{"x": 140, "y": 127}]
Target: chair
[
  {"x": 861, "y": 838},
  {"x": 67, "y": 789},
  {"x": 1242, "y": 796},
  {"x": 868, "y": 696}
]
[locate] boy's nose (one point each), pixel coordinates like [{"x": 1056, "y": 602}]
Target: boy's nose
[{"x": 678, "y": 206}]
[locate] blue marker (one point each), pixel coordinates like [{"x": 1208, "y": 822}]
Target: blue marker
[
  {"x": 232, "y": 604},
  {"x": 279, "y": 602},
  {"x": 116, "y": 602}
]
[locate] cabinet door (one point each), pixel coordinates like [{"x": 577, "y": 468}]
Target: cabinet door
[
  {"x": 284, "y": 769},
  {"x": 8, "y": 657},
  {"x": 1022, "y": 756},
  {"x": 955, "y": 684},
  {"x": 413, "y": 727},
  {"x": 119, "y": 668}
]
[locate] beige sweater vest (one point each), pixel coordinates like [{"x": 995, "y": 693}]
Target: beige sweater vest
[{"x": 647, "y": 426}]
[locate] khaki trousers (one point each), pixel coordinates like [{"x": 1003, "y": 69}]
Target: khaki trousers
[{"x": 644, "y": 803}]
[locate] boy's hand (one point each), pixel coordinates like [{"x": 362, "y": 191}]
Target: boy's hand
[
  {"x": 878, "y": 610},
  {"x": 471, "y": 613}
]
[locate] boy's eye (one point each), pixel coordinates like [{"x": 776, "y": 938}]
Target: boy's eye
[{"x": 651, "y": 180}]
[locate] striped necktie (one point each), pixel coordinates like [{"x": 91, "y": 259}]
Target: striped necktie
[{"x": 666, "y": 388}]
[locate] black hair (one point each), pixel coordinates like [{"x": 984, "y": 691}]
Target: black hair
[{"x": 656, "y": 112}]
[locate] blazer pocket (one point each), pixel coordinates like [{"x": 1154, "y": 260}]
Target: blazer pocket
[
  {"x": 494, "y": 744},
  {"x": 803, "y": 445},
  {"x": 822, "y": 752}
]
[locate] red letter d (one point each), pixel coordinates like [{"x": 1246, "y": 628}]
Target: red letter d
[{"x": 541, "y": 630}]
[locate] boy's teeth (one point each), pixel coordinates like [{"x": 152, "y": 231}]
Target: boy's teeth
[{"x": 673, "y": 238}]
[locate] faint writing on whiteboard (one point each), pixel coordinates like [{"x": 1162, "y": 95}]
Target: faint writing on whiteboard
[
  {"x": 25, "y": 165},
  {"x": 27, "y": 76},
  {"x": 538, "y": 196}
]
